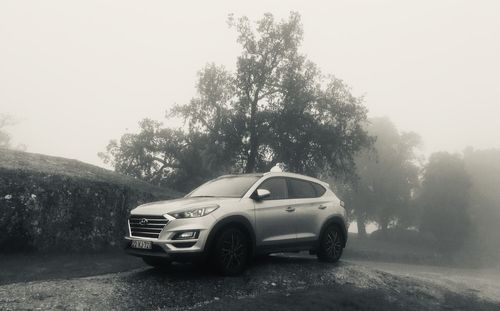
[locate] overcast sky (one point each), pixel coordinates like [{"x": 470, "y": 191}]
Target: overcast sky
[{"x": 77, "y": 74}]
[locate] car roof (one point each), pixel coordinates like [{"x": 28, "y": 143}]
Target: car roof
[
  {"x": 299, "y": 176},
  {"x": 239, "y": 175},
  {"x": 279, "y": 174}
]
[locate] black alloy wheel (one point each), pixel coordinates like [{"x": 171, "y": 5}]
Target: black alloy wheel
[
  {"x": 231, "y": 252},
  {"x": 331, "y": 245}
]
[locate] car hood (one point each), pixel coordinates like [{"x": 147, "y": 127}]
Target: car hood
[{"x": 163, "y": 207}]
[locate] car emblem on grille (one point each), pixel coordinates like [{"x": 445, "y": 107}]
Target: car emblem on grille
[{"x": 143, "y": 221}]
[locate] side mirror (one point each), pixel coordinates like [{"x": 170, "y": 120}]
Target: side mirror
[{"x": 261, "y": 194}]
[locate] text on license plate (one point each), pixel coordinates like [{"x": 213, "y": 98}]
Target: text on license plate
[{"x": 141, "y": 244}]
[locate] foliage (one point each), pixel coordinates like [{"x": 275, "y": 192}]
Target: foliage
[
  {"x": 5, "y": 120},
  {"x": 288, "y": 116},
  {"x": 5, "y": 138},
  {"x": 444, "y": 199},
  {"x": 268, "y": 56},
  {"x": 276, "y": 107},
  {"x": 387, "y": 178},
  {"x": 483, "y": 166},
  {"x": 163, "y": 156}
]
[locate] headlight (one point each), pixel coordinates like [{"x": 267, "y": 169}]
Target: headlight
[{"x": 196, "y": 212}]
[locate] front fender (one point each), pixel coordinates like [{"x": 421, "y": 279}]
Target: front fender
[{"x": 234, "y": 220}]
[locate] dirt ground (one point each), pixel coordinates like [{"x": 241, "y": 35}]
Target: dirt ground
[
  {"x": 290, "y": 282},
  {"x": 18, "y": 268}
]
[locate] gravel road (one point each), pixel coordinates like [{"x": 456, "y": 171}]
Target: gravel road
[{"x": 279, "y": 282}]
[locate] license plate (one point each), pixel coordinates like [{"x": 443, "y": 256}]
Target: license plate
[{"x": 141, "y": 244}]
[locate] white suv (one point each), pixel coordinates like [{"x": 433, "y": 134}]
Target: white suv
[{"x": 230, "y": 219}]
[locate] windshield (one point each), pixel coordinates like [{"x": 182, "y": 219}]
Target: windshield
[{"x": 229, "y": 186}]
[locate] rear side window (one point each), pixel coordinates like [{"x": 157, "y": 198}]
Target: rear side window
[
  {"x": 320, "y": 190},
  {"x": 277, "y": 187},
  {"x": 298, "y": 189}
]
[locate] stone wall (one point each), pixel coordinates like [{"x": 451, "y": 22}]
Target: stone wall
[{"x": 46, "y": 212}]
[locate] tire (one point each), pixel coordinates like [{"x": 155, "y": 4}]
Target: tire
[
  {"x": 262, "y": 257},
  {"x": 157, "y": 263},
  {"x": 331, "y": 244},
  {"x": 231, "y": 252}
]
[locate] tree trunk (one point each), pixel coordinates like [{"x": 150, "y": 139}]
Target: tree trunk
[
  {"x": 384, "y": 224},
  {"x": 361, "y": 222}
]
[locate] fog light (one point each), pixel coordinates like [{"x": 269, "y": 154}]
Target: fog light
[{"x": 186, "y": 235}]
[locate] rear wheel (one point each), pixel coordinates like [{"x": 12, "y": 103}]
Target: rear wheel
[
  {"x": 158, "y": 263},
  {"x": 230, "y": 253},
  {"x": 331, "y": 244}
]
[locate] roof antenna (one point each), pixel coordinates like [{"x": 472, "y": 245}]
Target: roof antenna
[{"x": 278, "y": 168}]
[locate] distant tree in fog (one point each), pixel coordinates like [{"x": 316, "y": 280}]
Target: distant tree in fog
[
  {"x": 5, "y": 120},
  {"x": 444, "y": 199},
  {"x": 273, "y": 109},
  {"x": 184, "y": 159},
  {"x": 276, "y": 107},
  {"x": 387, "y": 177},
  {"x": 211, "y": 115},
  {"x": 483, "y": 166},
  {"x": 5, "y": 138},
  {"x": 162, "y": 156},
  {"x": 269, "y": 55}
]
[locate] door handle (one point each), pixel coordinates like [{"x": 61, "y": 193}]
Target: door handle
[
  {"x": 290, "y": 209},
  {"x": 322, "y": 206}
]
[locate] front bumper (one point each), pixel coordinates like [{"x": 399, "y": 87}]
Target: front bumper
[
  {"x": 165, "y": 246},
  {"x": 159, "y": 252}
]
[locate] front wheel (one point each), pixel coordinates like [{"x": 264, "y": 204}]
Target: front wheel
[
  {"x": 230, "y": 253},
  {"x": 331, "y": 244}
]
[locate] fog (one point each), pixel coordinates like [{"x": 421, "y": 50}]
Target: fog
[
  {"x": 385, "y": 110},
  {"x": 77, "y": 74}
]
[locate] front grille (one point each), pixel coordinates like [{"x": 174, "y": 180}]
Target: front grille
[{"x": 146, "y": 226}]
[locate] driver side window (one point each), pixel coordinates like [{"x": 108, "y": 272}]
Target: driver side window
[{"x": 277, "y": 187}]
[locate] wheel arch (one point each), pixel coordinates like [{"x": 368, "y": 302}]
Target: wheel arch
[
  {"x": 237, "y": 221},
  {"x": 335, "y": 220}
]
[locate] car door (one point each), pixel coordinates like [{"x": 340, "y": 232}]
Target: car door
[
  {"x": 274, "y": 220},
  {"x": 309, "y": 208}
]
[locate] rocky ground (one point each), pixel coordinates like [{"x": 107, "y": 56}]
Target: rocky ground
[{"x": 283, "y": 282}]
